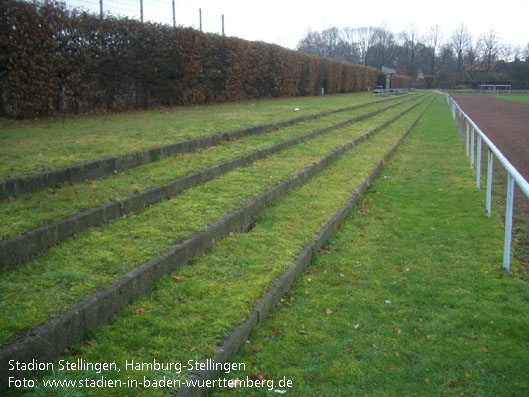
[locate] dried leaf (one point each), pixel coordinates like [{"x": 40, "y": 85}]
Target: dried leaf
[
  {"x": 328, "y": 311},
  {"x": 177, "y": 278}
]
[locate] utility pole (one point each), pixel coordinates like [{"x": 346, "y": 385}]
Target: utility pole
[
  {"x": 174, "y": 17},
  {"x": 223, "y": 24},
  {"x": 200, "y": 17},
  {"x": 141, "y": 10},
  {"x": 100, "y": 9}
]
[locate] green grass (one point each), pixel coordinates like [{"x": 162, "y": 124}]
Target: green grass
[
  {"x": 408, "y": 298},
  {"x": 28, "y": 211},
  {"x": 185, "y": 316},
  {"x": 516, "y": 98},
  {"x": 65, "y": 274},
  {"x": 30, "y": 146}
]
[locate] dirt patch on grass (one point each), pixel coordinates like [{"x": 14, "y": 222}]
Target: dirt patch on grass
[{"x": 506, "y": 124}]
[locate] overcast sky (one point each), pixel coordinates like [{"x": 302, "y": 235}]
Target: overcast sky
[{"x": 285, "y": 22}]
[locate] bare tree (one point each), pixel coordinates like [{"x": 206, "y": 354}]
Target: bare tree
[
  {"x": 351, "y": 45},
  {"x": 489, "y": 48},
  {"x": 365, "y": 39},
  {"x": 433, "y": 41},
  {"x": 312, "y": 43},
  {"x": 331, "y": 42},
  {"x": 461, "y": 40},
  {"x": 408, "y": 42},
  {"x": 383, "y": 49}
]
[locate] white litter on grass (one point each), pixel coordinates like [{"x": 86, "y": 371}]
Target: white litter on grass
[
  {"x": 296, "y": 109},
  {"x": 388, "y": 302},
  {"x": 280, "y": 391}
]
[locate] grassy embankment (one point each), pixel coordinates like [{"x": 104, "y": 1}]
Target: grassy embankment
[
  {"x": 409, "y": 297},
  {"x": 31, "y": 146},
  {"x": 65, "y": 274},
  {"x": 28, "y": 211},
  {"x": 186, "y": 314}
]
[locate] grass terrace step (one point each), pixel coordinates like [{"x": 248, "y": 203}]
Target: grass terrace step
[
  {"x": 409, "y": 297},
  {"x": 188, "y": 313},
  {"x": 31, "y": 210},
  {"x": 109, "y": 164},
  {"x": 66, "y": 274}
]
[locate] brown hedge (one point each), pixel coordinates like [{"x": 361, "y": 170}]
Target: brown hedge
[
  {"x": 56, "y": 61},
  {"x": 399, "y": 81}
]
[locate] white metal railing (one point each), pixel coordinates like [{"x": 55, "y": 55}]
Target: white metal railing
[{"x": 514, "y": 176}]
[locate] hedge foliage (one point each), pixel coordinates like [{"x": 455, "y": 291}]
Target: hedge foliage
[
  {"x": 55, "y": 61},
  {"x": 399, "y": 81}
]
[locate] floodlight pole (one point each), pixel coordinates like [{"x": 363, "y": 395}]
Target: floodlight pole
[
  {"x": 100, "y": 9},
  {"x": 174, "y": 17}
]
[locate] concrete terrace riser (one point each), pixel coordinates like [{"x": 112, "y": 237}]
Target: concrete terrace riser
[
  {"x": 50, "y": 339},
  {"x": 239, "y": 336},
  {"x": 108, "y": 165},
  {"x": 22, "y": 248}
]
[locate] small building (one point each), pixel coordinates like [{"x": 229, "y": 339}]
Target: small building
[{"x": 384, "y": 78}]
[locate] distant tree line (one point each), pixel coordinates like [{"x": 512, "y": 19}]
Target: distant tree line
[{"x": 455, "y": 60}]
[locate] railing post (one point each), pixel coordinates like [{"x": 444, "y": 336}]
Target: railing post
[
  {"x": 478, "y": 165},
  {"x": 490, "y": 158},
  {"x": 468, "y": 139},
  {"x": 472, "y": 149},
  {"x": 508, "y": 224}
]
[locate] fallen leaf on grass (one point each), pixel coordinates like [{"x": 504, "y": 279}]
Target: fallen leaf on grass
[
  {"x": 356, "y": 326},
  {"x": 192, "y": 349},
  {"x": 89, "y": 342},
  {"x": 328, "y": 311},
  {"x": 427, "y": 380},
  {"x": 140, "y": 310},
  {"x": 254, "y": 350},
  {"x": 177, "y": 278},
  {"x": 302, "y": 332},
  {"x": 484, "y": 350}
]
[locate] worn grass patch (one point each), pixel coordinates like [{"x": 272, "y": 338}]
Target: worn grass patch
[
  {"x": 186, "y": 314},
  {"x": 65, "y": 274},
  {"x": 28, "y": 211},
  {"x": 30, "y": 146},
  {"x": 408, "y": 297}
]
